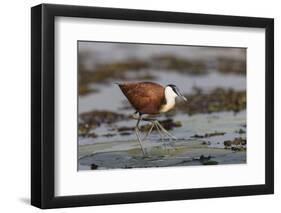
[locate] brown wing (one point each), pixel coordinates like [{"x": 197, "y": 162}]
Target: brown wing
[{"x": 145, "y": 97}]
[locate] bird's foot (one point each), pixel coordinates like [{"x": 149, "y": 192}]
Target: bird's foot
[
  {"x": 164, "y": 131},
  {"x": 139, "y": 140}
]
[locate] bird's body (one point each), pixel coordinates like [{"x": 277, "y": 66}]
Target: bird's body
[
  {"x": 151, "y": 98},
  {"x": 145, "y": 97}
]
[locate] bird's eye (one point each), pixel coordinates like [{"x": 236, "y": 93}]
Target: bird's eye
[{"x": 175, "y": 91}]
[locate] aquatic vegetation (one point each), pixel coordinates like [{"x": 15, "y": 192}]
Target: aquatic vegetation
[
  {"x": 214, "y": 101},
  {"x": 238, "y": 148},
  {"x": 84, "y": 89},
  {"x": 93, "y": 119},
  {"x": 207, "y": 135},
  {"x": 109, "y": 135},
  {"x": 230, "y": 65},
  {"x": 241, "y": 131},
  {"x": 91, "y": 134},
  {"x": 83, "y": 129},
  {"x": 117, "y": 71},
  {"x": 140, "y": 69},
  {"x": 205, "y": 160},
  {"x": 125, "y": 133},
  {"x": 237, "y": 144},
  {"x": 179, "y": 64},
  {"x": 124, "y": 129},
  {"x": 103, "y": 73},
  {"x": 227, "y": 143},
  {"x": 94, "y": 166},
  {"x": 167, "y": 124},
  {"x": 209, "y": 162},
  {"x": 97, "y": 117}
]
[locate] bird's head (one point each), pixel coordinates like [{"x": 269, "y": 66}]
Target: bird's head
[{"x": 173, "y": 91}]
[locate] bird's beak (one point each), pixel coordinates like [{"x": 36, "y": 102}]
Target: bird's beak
[
  {"x": 181, "y": 95},
  {"x": 183, "y": 98}
]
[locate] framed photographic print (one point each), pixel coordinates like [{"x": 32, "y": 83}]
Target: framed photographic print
[{"x": 139, "y": 106}]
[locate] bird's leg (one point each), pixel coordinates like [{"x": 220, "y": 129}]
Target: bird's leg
[
  {"x": 164, "y": 130},
  {"x": 165, "y": 133},
  {"x": 139, "y": 140},
  {"x": 159, "y": 127},
  {"x": 150, "y": 130},
  {"x": 158, "y": 130},
  {"x": 137, "y": 130},
  {"x": 153, "y": 124},
  {"x": 160, "y": 133}
]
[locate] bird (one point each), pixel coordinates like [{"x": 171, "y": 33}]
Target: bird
[{"x": 150, "y": 98}]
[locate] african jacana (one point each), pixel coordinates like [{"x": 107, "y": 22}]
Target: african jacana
[{"x": 150, "y": 98}]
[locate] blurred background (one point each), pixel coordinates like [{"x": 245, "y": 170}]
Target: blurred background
[{"x": 211, "y": 127}]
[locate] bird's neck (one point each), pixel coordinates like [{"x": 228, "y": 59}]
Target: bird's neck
[{"x": 170, "y": 102}]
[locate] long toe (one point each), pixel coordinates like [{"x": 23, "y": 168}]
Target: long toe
[{"x": 139, "y": 140}]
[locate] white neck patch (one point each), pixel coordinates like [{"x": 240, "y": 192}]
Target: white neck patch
[{"x": 170, "y": 96}]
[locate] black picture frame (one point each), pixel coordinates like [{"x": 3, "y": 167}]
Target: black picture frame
[{"x": 43, "y": 105}]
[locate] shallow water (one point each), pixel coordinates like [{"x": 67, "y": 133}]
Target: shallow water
[
  {"x": 227, "y": 122},
  {"x": 123, "y": 151},
  {"x": 159, "y": 156}
]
